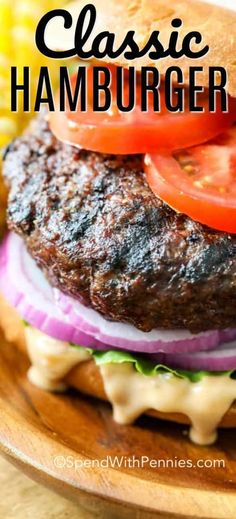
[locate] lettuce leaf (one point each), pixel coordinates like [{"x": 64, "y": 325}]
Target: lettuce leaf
[
  {"x": 146, "y": 367},
  {"x": 25, "y": 323}
]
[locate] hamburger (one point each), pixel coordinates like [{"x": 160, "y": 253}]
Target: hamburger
[{"x": 118, "y": 274}]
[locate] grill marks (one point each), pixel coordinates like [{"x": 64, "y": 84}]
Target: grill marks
[{"x": 93, "y": 225}]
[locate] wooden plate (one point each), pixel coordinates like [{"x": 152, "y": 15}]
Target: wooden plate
[{"x": 40, "y": 431}]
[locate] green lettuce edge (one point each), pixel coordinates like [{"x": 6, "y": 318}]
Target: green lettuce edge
[{"x": 147, "y": 368}]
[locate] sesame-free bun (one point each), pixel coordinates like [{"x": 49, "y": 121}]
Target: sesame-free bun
[
  {"x": 216, "y": 25},
  {"x": 85, "y": 377}
]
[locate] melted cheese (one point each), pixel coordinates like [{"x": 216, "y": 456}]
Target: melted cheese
[
  {"x": 51, "y": 360},
  {"x": 204, "y": 402},
  {"x": 132, "y": 393}
]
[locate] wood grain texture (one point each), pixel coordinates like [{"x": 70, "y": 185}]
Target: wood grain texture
[
  {"x": 36, "y": 427},
  {"x": 22, "y": 498}
]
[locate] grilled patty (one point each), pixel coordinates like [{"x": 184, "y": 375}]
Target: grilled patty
[{"x": 98, "y": 232}]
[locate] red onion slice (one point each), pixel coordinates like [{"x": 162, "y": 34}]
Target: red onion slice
[
  {"x": 126, "y": 336},
  {"x": 26, "y": 288},
  {"x": 221, "y": 359}
]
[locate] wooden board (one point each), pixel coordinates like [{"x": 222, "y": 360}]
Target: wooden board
[
  {"x": 21, "y": 498},
  {"x": 36, "y": 427}
]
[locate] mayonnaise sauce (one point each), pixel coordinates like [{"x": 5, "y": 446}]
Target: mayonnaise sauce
[
  {"x": 204, "y": 402},
  {"x": 51, "y": 360},
  {"x": 131, "y": 393}
]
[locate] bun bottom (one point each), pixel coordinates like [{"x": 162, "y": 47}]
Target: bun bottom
[{"x": 86, "y": 377}]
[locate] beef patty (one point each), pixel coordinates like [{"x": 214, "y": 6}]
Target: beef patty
[{"x": 98, "y": 232}]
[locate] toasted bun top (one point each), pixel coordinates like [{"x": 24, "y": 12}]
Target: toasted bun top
[{"x": 217, "y": 26}]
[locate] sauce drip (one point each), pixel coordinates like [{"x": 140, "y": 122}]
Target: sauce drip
[{"x": 132, "y": 393}]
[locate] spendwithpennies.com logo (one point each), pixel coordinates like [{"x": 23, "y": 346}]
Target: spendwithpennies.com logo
[{"x": 70, "y": 462}]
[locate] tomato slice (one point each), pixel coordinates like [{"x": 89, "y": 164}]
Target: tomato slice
[
  {"x": 199, "y": 182},
  {"x": 137, "y": 132}
]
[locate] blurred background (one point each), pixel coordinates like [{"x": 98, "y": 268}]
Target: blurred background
[{"x": 228, "y": 4}]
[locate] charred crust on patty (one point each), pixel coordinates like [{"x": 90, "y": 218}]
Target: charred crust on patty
[{"x": 93, "y": 225}]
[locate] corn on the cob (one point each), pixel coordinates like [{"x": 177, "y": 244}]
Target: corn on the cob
[{"x": 18, "y": 21}]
